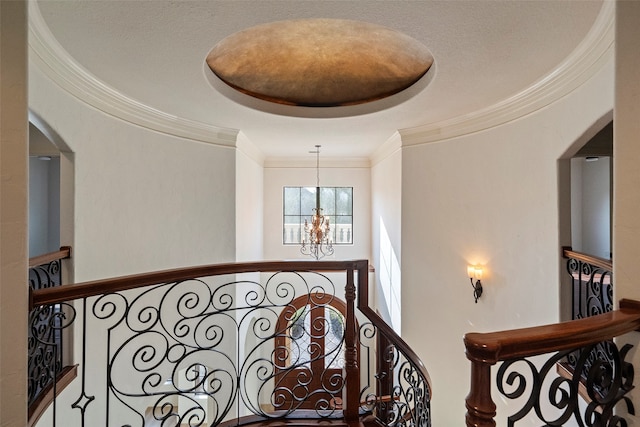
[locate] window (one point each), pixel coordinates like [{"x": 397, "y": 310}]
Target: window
[{"x": 336, "y": 204}]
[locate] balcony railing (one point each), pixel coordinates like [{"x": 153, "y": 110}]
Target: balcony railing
[
  {"x": 342, "y": 234},
  {"x": 592, "y": 284},
  {"x": 235, "y": 343},
  {"x": 551, "y": 397},
  {"x": 46, "y": 349}
]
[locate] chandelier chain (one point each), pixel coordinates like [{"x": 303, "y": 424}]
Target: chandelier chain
[{"x": 317, "y": 241}]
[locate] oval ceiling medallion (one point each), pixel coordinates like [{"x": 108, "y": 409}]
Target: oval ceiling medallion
[{"x": 319, "y": 62}]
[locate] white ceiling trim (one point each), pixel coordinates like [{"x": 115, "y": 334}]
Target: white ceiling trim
[
  {"x": 59, "y": 66},
  {"x": 244, "y": 145},
  {"x": 386, "y": 150},
  {"x": 310, "y": 163},
  {"x": 583, "y": 63}
]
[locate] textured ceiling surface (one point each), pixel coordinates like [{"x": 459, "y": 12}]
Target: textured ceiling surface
[
  {"x": 155, "y": 52},
  {"x": 319, "y": 62}
]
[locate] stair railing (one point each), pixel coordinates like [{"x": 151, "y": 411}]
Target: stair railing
[
  {"x": 592, "y": 283},
  {"x": 231, "y": 341},
  {"x": 402, "y": 392},
  {"x": 607, "y": 380},
  {"x": 47, "y": 368}
]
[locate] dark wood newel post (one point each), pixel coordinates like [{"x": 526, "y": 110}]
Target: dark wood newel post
[
  {"x": 481, "y": 410},
  {"x": 351, "y": 352}
]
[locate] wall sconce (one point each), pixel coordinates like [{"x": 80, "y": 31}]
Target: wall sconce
[{"x": 475, "y": 272}]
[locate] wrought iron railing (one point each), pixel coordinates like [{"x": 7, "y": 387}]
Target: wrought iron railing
[
  {"x": 592, "y": 284},
  {"x": 205, "y": 345},
  {"x": 546, "y": 395},
  {"x": 45, "y": 340},
  {"x": 45, "y": 271},
  {"x": 592, "y": 294},
  {"x": 398, "y": 389}
]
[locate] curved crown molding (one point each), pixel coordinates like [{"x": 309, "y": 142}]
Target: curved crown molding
[
  {"x": 391, "y": 146},
  {"x": 584, "y": 62},
  {"x": 60, "y": 67}
]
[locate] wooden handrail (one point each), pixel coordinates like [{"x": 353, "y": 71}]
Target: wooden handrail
[
  {"x": 606, "y": 264},
  {"x": 117, "y": 284},
  {"x": 496, "y": 346},
  {"x": 37, "y": 408},
  {"x": 63, "y": 253},
  {"x": 486, "y": 349}
]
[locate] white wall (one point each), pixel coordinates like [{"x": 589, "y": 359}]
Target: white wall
[
  {"x": 143, "y": 200},
  {"x": 279, "y": 176},
  {"x": 576, "y": 203},
  {"x": 489, "y": 198},
  {"x": 44, "y": 205},
  {"x": 386, "y": 232},
  {"x": 596, "y": 214},
  {"x": 249, "y": 203},
  {"x": 626, "y": 181},
  {"x": 590, "y": 208}
]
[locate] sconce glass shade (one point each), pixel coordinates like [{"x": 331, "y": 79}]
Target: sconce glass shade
[
  {"x": 474, "y": 272},
  {"x": 471, "y": 271}
]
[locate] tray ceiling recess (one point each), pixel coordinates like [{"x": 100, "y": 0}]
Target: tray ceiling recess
[{"x": 319, "y": 62}]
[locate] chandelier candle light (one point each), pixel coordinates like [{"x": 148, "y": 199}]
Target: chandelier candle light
[{"x": 317, "y": 235}]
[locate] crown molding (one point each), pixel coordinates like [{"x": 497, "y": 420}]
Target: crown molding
[
  {"x": 386, "y": 150},
  {"x": 583, "y": 63},
  {"x": 60, "y": 67},
  {"x": 310, "y": 163},
  {"x": 248, "y": 148}
]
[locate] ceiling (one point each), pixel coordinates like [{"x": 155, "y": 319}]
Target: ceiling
[{"x": 152, "y": 53}]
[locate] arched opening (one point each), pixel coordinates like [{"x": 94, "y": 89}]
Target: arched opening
[
  {"x": 585, "y": 203},
  {"x": 44, "y": 194},
  {"x": 591, "y": 189},
  {"x": 51, "y": 190},
  {"x": 50, "y": 227}
]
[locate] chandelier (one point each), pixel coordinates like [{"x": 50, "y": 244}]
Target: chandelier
[{"x": 316, "y": 241}]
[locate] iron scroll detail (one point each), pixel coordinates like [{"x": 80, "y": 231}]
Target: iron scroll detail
[
  {"x": 204, "y": 350},
  {"x": 45, "y": 345},
  {"x": 397, "y": 394},
  {"x": 226, "y": 344},
  {"x": 592, "y": 289},
  {"x": 607, "y": 380}
]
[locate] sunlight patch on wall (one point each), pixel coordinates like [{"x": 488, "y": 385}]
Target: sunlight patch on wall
[{"x": 390, "y": 279}]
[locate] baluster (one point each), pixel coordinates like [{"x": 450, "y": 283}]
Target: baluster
[
  {"x": 351, "y": 352},
  {"x": 481, "y": 410},
  {"x": 384, "y": 372},
  {"x": 582, "y": 293}
]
